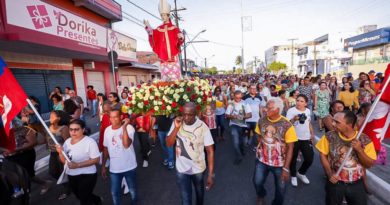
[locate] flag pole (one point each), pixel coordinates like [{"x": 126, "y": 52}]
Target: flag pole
[
  {"x": 46, "y": 128},
  {"x": 377, "y": 99}
]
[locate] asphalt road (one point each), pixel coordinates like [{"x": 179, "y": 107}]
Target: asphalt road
[{"x": 233, "y": 183}]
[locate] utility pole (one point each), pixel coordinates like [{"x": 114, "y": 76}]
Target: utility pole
[
  {"x": 315, "y": 59},
  {"x": 255, "y": 64},
  {"x": 205, "y": 63},
  {"x": 242, "y": 40},
  {"x": 176, "y": 16},
  {"x": 292, "y": 52}
]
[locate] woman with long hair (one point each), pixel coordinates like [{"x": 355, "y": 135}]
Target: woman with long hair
[
  {"x": 300, "y": 117},
  {"x": 115, "y": 101},
  {"x": 59, "y": 122},
  {"x": 101, "y": 98},
  {"x": 366, "y": 92},
  {"x": 321, "y": 103},
  {"x": 349, "y": 96}
]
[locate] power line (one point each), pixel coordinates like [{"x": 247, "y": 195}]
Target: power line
[{"x": 143, "y": 10}]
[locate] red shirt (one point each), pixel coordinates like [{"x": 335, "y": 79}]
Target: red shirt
[
  {"x": 91, "y": 95},
  {"x": 104, "y": 124}
]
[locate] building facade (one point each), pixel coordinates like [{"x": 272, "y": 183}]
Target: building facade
[
  {"x": 370, "y": 51},
  {"x": 283, "y": 54},
  {"x": 64, "y": 43}
]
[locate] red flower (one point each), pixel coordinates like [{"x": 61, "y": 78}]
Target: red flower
[
  {"x": 150, "y": 90},
  {"x": 146, "y": 102},
  {"x": 156, "y": 97},
  {"x": 139, "y": 86},
  {"x": 163, "y": 107},
  {"x": 174, "y": 105},
  {"x": 200, "y": 87},
  {"x": 181, "y": 109},
  {"x": 129, "y": 98},
  {"x": 198, "y": 107},
  {"x": 193, "y": 96},
  {"x": 152, "y": 110},
  {"x": 188, "y": 89}
]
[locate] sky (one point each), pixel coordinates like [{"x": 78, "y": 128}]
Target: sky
[{"x": 273, "y": 23}]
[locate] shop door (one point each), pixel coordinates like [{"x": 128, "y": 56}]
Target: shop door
[
  {"x": 128, "y": 79},
  {"x": 80, "y": 85},
  {"x": 96, "y": 79}
]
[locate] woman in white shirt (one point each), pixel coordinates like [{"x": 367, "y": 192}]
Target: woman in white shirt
[
  {"x": 300, "y": 118},
  {"x": 84, "y": 155}
]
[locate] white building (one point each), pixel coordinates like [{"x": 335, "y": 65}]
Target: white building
[
  {"x": 324, "y": 55},
  {"x": 282, "y": 53}
]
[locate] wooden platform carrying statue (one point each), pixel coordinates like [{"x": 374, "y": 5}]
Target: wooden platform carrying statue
[{"x": 166, "y": 41}]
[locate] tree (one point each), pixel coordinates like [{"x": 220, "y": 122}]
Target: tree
[
  {"x": 277, "y": 66},
  {"x": 238, "y": 60},
  {"x": 211, "y": 71},
  {"x": 238, "y": 71}
]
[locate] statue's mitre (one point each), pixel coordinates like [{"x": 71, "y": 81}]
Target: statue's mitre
[{"x": 164, "y": 7}]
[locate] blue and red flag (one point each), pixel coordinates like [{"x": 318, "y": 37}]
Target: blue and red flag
[{"x": 12, "y": 101}]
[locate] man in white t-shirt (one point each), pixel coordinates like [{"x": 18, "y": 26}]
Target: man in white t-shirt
[
  {"x": 254, "y": 100},
  {"x": 118, "y": 146},
  {"x": 238, "y": 112},
  {"x": 192, "y": 136}
]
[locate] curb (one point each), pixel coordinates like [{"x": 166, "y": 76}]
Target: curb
[{"x": 42, "y": 164}]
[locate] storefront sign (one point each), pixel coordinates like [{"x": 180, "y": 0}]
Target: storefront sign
[
  {"x": 42, "y": 17},
  {"x": 302, "y": 51},
  {"x": 377, "y": 37},
  {"x": 123, "y": 45}
]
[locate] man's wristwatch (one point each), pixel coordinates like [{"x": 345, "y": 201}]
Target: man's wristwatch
[
  {"x": 286, "y": 170},
  {"x": 212, "y": 175}
]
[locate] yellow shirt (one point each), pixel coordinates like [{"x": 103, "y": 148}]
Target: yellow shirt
[
  {"x": 274, "y": 135},
  {"x": 349, "y": 98},
  {"x": 278, "y": 87},
  {"x": 323, "y": 146},
  {"x": 335, "y": 146}
]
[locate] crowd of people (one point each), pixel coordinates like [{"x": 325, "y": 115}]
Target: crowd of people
[{"x": 272, "y": 114}]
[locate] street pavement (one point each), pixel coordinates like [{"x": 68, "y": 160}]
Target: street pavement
[{"x": 233, "y": 183}]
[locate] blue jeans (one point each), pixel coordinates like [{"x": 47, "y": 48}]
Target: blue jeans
[
  {"x": 221, "y": 123},
  {"x": 238, "y": 138},
  {"x": 167, "y": 151},
  {"x": 185, "y": 183},
  {"x": 116, "y": 182},
  {"x": 261, "y": 173},
  {"x": 252, "y": 127}
]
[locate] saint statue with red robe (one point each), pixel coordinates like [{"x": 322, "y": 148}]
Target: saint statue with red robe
[{"x": 165, "y": 41}]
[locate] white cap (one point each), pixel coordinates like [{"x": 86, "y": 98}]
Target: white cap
[{"x": 164, "y": 7}]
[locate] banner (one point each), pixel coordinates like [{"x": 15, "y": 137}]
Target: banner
[{"x": 42, "y": 17}]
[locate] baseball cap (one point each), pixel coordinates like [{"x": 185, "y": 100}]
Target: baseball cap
[
  {"x": 371, "y": 71},
  {"x": 379, "y": 73},
  {"x": 349, "y": 74}
]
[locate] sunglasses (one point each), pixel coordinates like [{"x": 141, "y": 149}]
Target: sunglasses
[{"x": 74, "y": 129}]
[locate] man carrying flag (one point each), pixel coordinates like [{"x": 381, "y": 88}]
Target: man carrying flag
[{"x": 378, "y": 123}]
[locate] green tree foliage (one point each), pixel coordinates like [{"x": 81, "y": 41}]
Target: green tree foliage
[
  {"x": 238, "y": 60},
  {"x": 277, "y": 66}
]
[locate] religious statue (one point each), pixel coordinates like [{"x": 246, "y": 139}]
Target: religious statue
[{"x": 166, "y": 41}]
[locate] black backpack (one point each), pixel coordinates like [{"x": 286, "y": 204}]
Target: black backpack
[{"x": 13, "y": 176}]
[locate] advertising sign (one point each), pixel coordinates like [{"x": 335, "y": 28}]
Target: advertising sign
[
  {"x": 377, "y": 37},
  {"x": 125, "y": 46},
  {"x": 41, "y": 17}
]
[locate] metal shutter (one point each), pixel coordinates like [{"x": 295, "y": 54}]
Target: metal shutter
[
  {"x": 33, "y": 83},
  {"x": 96, "y": 79},
  {"x": 40, "y": 83}
]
